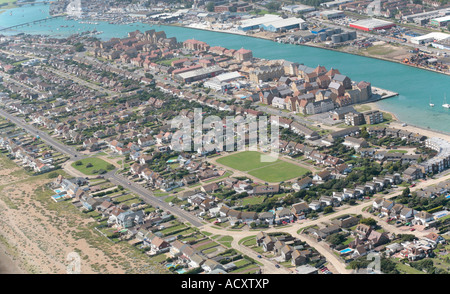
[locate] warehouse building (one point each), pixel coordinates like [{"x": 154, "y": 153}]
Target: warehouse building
[
  {"x": 440, "y": 21},
  {"x": 199, "y": 74},
  {"x": 284, "y": 24},
  {"x": 331, "y": 14},
  {"x": 254, "y": 23},
  {"x": 298, "y": 8},
  {"x": 372, "y": 24},
  {"x": 431, "y": 37}
]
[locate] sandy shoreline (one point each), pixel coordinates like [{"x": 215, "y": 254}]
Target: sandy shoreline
[
  {"x": 411, "y": 128},
  {"x": 7, "y": 264}
]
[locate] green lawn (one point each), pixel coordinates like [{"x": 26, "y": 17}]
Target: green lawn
[
  {"x": 397, "y": 151},
  {"x": 97, "y": 164},
  {"x": 252, "y": 200},
  {"x": 278, "y": 172},
  {"x": 251, "y": 162},
  {"x": 244, "y": 161}
]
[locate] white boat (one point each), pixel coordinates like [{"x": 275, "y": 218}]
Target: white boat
[
  {"x": 445, "y": 105},
  {"x": 431, "y": 104}
]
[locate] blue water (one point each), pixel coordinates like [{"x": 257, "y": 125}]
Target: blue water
[
  {"x": 415, "y": 86},
  {"x": 346, "y": 250}
]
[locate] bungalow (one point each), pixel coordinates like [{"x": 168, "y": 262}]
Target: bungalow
[
  {"x": 322, "y": 176},
  {"x": 286, "y": 252},
  {"x": 210, "y": 188},
  {"x": 299, "y": 209},
  {"x": 412, "y": 173},
  {"x": 355, "y": 143},
  {"x": 266, "y": 217},
  {"x": 346, "y": 222},
  {"x": 268, "y": 243},
  {"x": 302, "y": 184},
  {"x": 298, "y": 258},
  {"x": 423, "y": 218},
  {"x": 434, "y": 238},
  {"x": 326, "y": 201},
  {"x": 283, "y": 215},
  {"x": 159, "y": 245},
  {"x": 248, "y": 217},
  {"x": 315, "y": 205},
  {"x": 406, "y": 214},
  {"x": 266, "y": 189},
  {"x": 210, "y": 265}
]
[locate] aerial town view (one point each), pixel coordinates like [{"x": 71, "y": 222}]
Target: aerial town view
[{"x": 198, "y": 137}]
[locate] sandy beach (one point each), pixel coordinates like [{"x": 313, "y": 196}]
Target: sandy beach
[
  {"x": 415, "y": 129},
  {"x": 37, "y": 235},
  {"x": 7, "y": 264}
]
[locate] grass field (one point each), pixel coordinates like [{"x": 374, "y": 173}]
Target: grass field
[
  {"x": 97, "y": 164},
  {"x": 397, "y": 151},
  {"x": 245, "y": 161},
  {"x": 250, "y": 162}
]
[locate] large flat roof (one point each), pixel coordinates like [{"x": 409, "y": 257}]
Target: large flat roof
[
  {"x": 443, "y": 18},
  {"x": 434, "y": 35},
  {"x": 284, "y": 22},
  {"x": 372, "y": 23},
  {"x": 201, "y": 71},
  {"x": 259, "y": 20}
]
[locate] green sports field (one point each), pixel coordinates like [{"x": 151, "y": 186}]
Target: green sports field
[{"x": 274, "y": 171}]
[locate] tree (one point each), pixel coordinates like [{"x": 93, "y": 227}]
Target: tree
[
  {"x": 210, "y": 6},
  {"x": 364, "y": 133},
  {"x": 273, "y": 6},
  {"x": 79, "y": 47},
  {"x": 405, "y": 192},
  {"x": 336, "y": 239},
  {"x": 369, "y": 221},
  {"x": 328, "y": 209}
]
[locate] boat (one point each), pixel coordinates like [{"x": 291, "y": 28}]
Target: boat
[
  {"x": 431, "y": 104},
  {"x": 445, "y": 105}
]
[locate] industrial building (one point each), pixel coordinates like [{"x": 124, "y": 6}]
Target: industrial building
[
  {"x": 199, "y": 74},
  {"x": 254, "y": 23},
  {"x": 272, "y": 23},
  {"x": 284, "y": 24},
  {"x": 331, "y": 14},
  {"x": 440, "y": 21},
  {"x": 431, "y": 37},
  {"x": 372, "y": 24},
  {"x": 335, "y": 3},
  {"x": 298, "y": 8}
]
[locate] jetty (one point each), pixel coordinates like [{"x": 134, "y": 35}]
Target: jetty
[{"x": 382, "y": 93}]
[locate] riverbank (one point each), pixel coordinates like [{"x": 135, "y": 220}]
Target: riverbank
[{"x": 314, "y": 45}]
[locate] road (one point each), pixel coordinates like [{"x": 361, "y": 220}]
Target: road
[
  {"x": 43, "y": 135},
  {"x": 148, "y": 197},
  {"x": 144, "y": 193}
]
